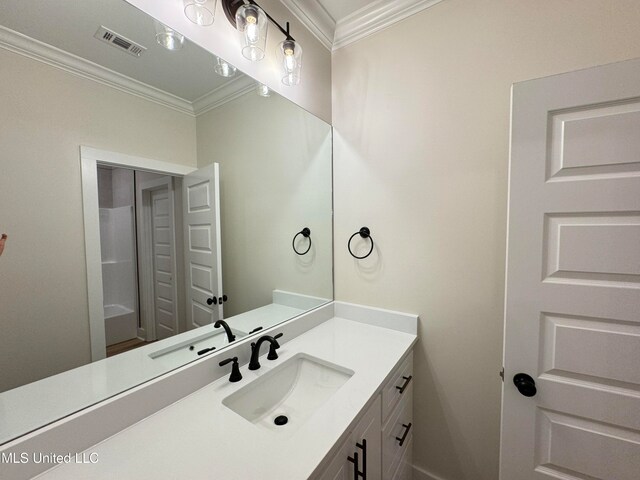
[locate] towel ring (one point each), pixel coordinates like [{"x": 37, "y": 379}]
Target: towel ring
[
  {"x": 306, "y": 233},
  {"x": 364, "y": 232}
]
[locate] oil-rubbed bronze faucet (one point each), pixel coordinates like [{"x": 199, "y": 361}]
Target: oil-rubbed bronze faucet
[
  {"x": 221, "y": 323},
  {"x": 254, "y": 364}
]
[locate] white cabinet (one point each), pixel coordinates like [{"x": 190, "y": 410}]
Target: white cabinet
[
  {"x": 399, "y": 381},
  {"x": 397, "y": 434},
  {"x": 379, "y": 446},
  {"x": 405, "y": 467},
  {"x": 361, "y": 451}
]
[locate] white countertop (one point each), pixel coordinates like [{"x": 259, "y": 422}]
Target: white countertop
[
  {"x": 199, "y": 438},
  {"x": 31, "y": 406}
]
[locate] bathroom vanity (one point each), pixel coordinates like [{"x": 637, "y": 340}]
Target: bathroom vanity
[
  {"x": 342, "y": 379},
  {"x": 198, "y": 223},
  {"x": 379, "y": 446}
]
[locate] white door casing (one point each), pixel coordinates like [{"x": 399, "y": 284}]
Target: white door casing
[
  {"x": 203, "y": 271},
  {"x": 572, "y": 313}
]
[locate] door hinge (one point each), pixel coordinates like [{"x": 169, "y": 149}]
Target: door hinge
[{"x": 502, "y": 374}]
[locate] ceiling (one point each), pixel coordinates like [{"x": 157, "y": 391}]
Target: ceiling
[{"x": 70, "y": 25}]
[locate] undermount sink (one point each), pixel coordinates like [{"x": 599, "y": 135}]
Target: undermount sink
[{"x": 287, "y": 395}]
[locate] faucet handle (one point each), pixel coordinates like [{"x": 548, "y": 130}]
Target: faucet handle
[
  {"x": 273, "y": 355},
  {"x": 235, "y": 376}
]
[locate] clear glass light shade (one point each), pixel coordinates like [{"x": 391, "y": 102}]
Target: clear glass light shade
[
  {"x": 262, "y": 90},
  {"x": 290, "y": 57},
  {"x": 168, "y": 38},
  {"x": 224, "y": 69},
  {"x": 252, "y": 24},
  {"x": 200, "y": 12}
]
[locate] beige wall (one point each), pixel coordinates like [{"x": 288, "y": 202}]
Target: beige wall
[
  {"x": 275, "y": 179},
  {"x": 45, "y": 115},
  {"x": 421, "y": 118}
]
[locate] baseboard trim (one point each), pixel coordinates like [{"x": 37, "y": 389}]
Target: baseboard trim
[{"x": 421, "y": 474}]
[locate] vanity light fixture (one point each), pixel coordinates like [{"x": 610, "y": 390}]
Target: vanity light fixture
[
  {"x": 263, "y": 90},
  {"x": 252, "y": 22},
  {"x": 224, "y": 69},
  {"x": 290, "y": 54},
  {"x": 168, "y": 38},
  {"x": 200, "y": 12}
]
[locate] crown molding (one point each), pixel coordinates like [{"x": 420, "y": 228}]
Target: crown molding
[
  {"x": 364, "y": 22},
  {"x": 223, "y": 94},
  {"x": 375, "y": 17},
  {"x": 52, "y": 56},
  {"x": 315, "y": 18},
  {"x": 42, "y": 52}
]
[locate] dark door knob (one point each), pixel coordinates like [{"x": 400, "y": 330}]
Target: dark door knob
[{"x": 525, "y": 384}]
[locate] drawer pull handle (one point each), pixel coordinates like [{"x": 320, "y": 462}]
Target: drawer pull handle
[
  {"x": 355, "y": 460},
  {"x": 407, "y": 380},
  {"x": 404, "y": 436},
  {"x": 363, "y": 447}
]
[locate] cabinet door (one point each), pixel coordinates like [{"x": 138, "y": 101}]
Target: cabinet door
[
  {"x": 340, "y": 468},
  {"x": 405, "y": 468},
  {"x": 363, "y": 444}
]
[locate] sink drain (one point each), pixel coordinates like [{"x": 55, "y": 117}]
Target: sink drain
[{"x": 281, "y": 420}]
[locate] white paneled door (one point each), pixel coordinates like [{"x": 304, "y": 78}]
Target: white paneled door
[
  {"x": 203, "y": 270},
  {"x": 164, "y": 276},
  {"x": 573, "y": 279}
]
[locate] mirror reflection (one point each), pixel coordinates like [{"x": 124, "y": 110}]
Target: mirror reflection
[{"x": 155, "y": 205}]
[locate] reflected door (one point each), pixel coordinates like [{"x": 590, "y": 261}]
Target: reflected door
[
  {"x": 201, "y": 210},
  {"x": 573, "y": 279},
  {"x": 163, "y": 275}
]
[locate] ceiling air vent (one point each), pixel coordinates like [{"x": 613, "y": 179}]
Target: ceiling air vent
[{"x": 118, "y": 41}]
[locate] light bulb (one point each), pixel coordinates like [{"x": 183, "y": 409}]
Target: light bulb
[
  {"x": 252, "y": 33},
  {"x": 289, "y": 61},
  {"x": 263, "y": 90},
  {"x": 168, "y": 38},
  {"x": 224, "y": 69}
]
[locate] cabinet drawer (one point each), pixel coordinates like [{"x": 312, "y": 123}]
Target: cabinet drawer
[
  {"x": 399, "y": 426},
  {"x": 391, "y": 393},
  {"x": 405, "y": 466}
]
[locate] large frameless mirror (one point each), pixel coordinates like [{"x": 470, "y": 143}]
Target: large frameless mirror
[{"x": 155, "y": 204}]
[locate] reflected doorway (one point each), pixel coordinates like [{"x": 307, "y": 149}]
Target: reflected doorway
[{"x": 144, "y": 285}]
